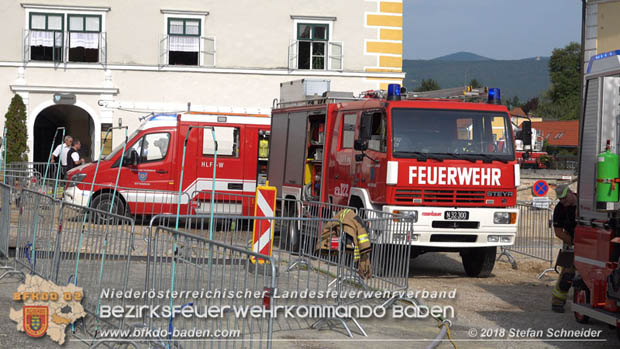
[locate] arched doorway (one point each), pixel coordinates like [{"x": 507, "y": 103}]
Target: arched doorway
[{"x": 77, "y": 122}]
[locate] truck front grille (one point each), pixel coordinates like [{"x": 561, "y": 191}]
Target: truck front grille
[
  {"x": 452, "y": 238},
  {"x": 455, "y": 224},
  {"x": 444, "y": 197}
]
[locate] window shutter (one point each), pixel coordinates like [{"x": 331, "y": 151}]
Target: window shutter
[
  {"x": 292, "y": 55},
  {"x": 163, "y": 51},
  {"x": 335, "y": 55},
  {"x": 208, "y": 51},
  {"x": 27, "y": 45},
  {"x": 103, "y": 50}
]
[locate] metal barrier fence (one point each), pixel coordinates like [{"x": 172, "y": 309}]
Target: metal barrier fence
[
  {"x": 67, "y": 243},
  {"x": 5, "y": 219},
  {"x": 37, "y": 232},
  {"x": 93, "y": 251},
  {"x": 535, "y": 236},
  {"x": 307, "y": 263},
  {"x": 181, "y": 261}
]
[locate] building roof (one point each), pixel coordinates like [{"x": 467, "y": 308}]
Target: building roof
[
  {"x": 559, "y": 133},
  {"x": 518, "y": 112}
]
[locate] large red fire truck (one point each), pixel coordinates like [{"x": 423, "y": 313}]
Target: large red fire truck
[
  {"x": 597, "y": 235},
  {"x": 449, "y": 164},
  {"x": 151, "y": 168}
]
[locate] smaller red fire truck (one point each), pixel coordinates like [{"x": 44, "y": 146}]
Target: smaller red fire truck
[
  {"x": 529, "y": 147},
  {"x": 151, "y": 167},
  {"x": 449, "y": 164}
]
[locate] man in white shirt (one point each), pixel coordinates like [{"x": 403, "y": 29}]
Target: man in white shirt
[{"x": 61, "y": 152}]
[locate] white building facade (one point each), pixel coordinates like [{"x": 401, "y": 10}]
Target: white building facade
[{"x": 120, "y": 59}]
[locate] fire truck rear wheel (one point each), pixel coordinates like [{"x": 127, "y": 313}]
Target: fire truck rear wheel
[
  {"x": 289, "y": 233},
  {"x": 581, "y": 295},
  {"x": 479, "y": 261}
]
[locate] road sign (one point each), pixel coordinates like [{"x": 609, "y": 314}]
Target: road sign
[
  {"x": 541, "y": 202},
  {"x": 264, "y": 206},
  {"x": 540, "y": 188}
]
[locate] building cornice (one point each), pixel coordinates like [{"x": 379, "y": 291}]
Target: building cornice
[
  {"x": 64, "y": 89},
  {"x": 67, "y": 7},
  {"x": 184, "y": 12},
  {"x": 186, "y": 69},
  {"x": 314, "y": 18}
]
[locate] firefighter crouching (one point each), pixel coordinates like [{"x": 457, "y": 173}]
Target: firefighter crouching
[
  {"x": 564, "y": 222},
  {"x": 355, "y": 239}
]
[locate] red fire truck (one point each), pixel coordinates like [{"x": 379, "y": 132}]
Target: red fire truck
[
  {"x": 449, "y": 164},
  {"x": 529, "y": 147},
  {"x": 596, "y": 288},
  {"x": 152, "y": 163}
]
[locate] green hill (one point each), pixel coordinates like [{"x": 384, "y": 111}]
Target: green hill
[
  {"x": 525, "y": 78},
  {"x": 462, "y": 56}
]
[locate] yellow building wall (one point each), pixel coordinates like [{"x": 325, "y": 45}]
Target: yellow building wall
[
  {"x": 608, "y": 33},
  {"x": 388, "y": 45}
]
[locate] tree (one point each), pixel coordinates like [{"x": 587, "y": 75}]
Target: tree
[
  {"x": 561, "y": 100},
  {"x": 428, "y": 85},
  {"x": 17, "y": 136},
  {"x": 530, "y": 105},
  {"x": 513, "y": 102},
  {"x": 474, "y": 83},
  {"x": 564, "y": 73}
]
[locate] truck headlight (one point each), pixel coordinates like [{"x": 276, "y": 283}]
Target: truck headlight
[
  {"x": 504, "y": 218},
  {"x": 76, "y": 178},
  {"x": 409, "y": 213}
]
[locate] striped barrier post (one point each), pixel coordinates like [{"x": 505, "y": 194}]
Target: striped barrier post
[{"x": 264, "y": 206}]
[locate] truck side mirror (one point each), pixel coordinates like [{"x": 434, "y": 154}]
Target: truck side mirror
[
  {"x": 526, "y": 132},
  {"x": 359, "y": 145},
  {"x": 131, "y": 158}
]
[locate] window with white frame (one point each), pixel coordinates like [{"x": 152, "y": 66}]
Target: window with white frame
[
  {"x": 312, "y": 46},
  {"x": 84, "y": 37},
  {"x": 66, "y": 36},
  {"x": 46, "y": 36},
  {"x": 184, "y": 41}
]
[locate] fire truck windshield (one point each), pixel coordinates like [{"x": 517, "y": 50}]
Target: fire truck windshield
[
  {"x": 451, "y": 134},
  {"x": 119, "y": 147}
]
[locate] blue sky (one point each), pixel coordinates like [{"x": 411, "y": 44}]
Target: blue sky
[{"x": 499, "y": 29}]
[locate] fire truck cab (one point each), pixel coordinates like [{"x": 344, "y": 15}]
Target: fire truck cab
[
  {"x": 153, "y": 160},
  {"x": 448, "y": 164}
]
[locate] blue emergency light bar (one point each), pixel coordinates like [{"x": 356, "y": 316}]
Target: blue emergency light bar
[
  {"x": 393, "y": 92},
  {"x": 495, "y": 96},
  {"x": 601, "y": 56}
]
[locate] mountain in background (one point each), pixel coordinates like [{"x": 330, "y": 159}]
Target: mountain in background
[
  {"x": 462, "y": 57},
  {"x": 525, "y": 78}
]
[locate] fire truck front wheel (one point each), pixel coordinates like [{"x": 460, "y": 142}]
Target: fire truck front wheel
[
  {"x": 103, "y": 201},
  {"x": 479, "y": 261}
]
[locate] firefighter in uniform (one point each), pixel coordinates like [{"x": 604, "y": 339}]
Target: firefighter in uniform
[
  {"x": 356, "y": 239},
  {"x": 564, "y": 222}
]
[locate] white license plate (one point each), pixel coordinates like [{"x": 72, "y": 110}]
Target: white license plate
[{"x": 456, "y": 215}]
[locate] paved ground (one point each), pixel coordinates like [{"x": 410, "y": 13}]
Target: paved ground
[{"x": 509, "y": 299}]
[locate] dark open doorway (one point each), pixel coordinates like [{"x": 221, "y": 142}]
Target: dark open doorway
[{"x": 77, "y": 122}]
